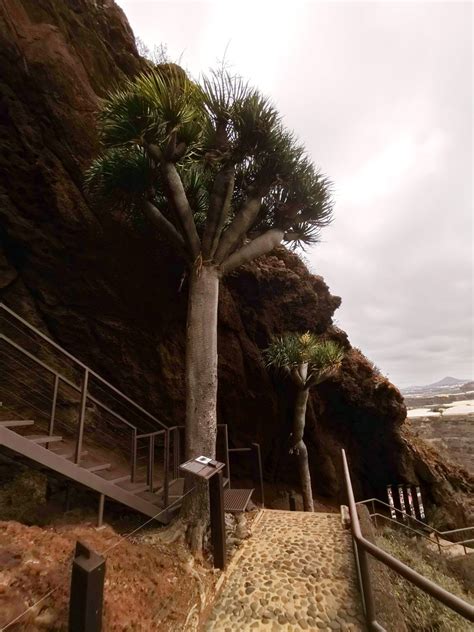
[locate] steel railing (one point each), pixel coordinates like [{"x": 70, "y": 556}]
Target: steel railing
[
  {"x": 83, "y": 389},
  {"x": 408, "y": 519},
  {"x": 363, "y": 548}
]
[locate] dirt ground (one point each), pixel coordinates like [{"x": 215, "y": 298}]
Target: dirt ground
[{"x": 147, "y": 586}]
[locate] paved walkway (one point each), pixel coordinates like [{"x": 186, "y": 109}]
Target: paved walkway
[{"x": 296, "y": 572}]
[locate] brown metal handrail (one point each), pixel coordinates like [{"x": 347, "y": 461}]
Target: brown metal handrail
[
  {"x": 255, "y": 448},
  {"x": 421, "y": 534},
  {"x": 411, "y": 518},
  {"x": 362, "y": 546},
  {"x": 79, "y": 363},
  {"x": 85, "y": 396}
]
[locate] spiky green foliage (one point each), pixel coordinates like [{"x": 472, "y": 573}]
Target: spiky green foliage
[
  {"x": 204, "y": 128},
  {"x": 120, "y": 178},
  {"x": 291, "y": 351}
]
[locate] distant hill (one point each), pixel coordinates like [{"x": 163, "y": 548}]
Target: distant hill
[{"x": 447, "y": 383}]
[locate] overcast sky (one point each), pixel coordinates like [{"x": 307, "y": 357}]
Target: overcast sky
[{"x": 381, "y": 95}]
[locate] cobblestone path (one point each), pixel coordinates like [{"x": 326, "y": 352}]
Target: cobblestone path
[{"x": 296, "y": 572}]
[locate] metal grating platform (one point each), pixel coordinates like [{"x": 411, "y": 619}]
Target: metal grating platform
[{"x": 237, "y": 500}]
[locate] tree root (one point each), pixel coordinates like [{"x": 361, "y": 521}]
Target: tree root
[{"x": 173, "y": 533}]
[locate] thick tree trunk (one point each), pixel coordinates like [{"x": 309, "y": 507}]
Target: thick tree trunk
[
  {"x": 299, "y": 448},
  {"x": 201, "y": 393}
]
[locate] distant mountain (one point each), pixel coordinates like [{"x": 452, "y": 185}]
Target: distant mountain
[{"x": 447, "y": 383}]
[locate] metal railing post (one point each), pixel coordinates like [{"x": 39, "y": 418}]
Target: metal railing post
[
  {"x": 175, "y": 452},
  {"x": 166, "y": 481},
  {"x": 82, "y": 416},
  {"x": 260, "y": 471},
  {"x": 366, "y": 586},
  {"x": 133, "y": 473},
  {"x": 374, "y": 513},
  {"x": 53, "y": 406},
  {"x": 151, "y": 462},
  {"x": 365, "y": 547}
]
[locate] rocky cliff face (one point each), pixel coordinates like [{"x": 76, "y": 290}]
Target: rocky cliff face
[{"x": 115, "y": 297}]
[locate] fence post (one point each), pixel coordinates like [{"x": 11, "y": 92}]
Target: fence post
[
  {"x": 82, "y": 416},
  {"x": 87, "y": 591},
  {"x": 216, "y": 494}
]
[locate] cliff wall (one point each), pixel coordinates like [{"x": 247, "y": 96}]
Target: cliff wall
[{"x": 115, "y": 297}]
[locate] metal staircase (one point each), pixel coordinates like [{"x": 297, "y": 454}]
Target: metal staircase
[{"x": 62, "y": 415}]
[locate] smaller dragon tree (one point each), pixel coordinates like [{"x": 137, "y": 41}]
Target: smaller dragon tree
[{"x": 308, "y": 361}]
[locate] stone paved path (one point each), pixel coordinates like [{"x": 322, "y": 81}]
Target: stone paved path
[{"x": 296, "y": 572}]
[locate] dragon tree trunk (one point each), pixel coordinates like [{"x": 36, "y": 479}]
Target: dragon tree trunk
[
  {"x": 201, "y": 392},
  {"x": 299, "y": 447}
]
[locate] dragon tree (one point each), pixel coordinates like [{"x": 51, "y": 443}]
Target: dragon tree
[
  {"x": 216, "y": 173},
  {"x": 308, "y": 361}
]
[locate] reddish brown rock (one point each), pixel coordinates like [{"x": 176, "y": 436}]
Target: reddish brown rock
[{"x": 111, "y": 294}]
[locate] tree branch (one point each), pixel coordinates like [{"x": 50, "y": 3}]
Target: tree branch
[
  {"x": 165, "y": 228},
  {"x": 296, "y": 377},
  {"x": 219, "y": 205},
  {"x": 176, "y": 195},
  {"x": 241, "y": 224},
  {"x": 257, "y": 247}
]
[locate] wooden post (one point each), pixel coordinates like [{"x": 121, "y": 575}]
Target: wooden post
[
  {"x": 87, "y": 591},
  {"x": 216, "y": 494}
]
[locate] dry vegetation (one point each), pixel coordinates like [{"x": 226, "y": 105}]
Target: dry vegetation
[{"x": 420, "y": 611}]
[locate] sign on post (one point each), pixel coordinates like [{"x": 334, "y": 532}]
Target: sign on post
[{"x": 208, "y": 469}]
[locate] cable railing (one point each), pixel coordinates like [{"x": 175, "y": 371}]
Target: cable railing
[
  {"x": 422, "y": 527},
  {"x": 363, "y": 548},
  {"x": 34, "y": 364}
]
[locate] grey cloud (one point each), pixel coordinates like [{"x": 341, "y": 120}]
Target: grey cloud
[{"x": 381, "y": 94}]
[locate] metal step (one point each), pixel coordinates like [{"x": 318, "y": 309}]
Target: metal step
[
  {"x": 99, "y": 467},
  {"x": 32, "y": 449},
  {"x": 133, "y": 488},
  {"x": 16, "y": 422},
  {"x": 121, "y": 479},
  {"x": 40, "y": 439},
  {"x": 70, "y": 454},
  {"x": 151, "y": 498}
]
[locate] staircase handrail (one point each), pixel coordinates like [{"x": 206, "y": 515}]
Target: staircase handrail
[
  {"x": 85, "y": 367},
  {"x": 66, "y": 380},
  {"x": 404, "y": 514},
  {"x": 439, "y": 544},
  {"x": 362, "y": 547}
]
